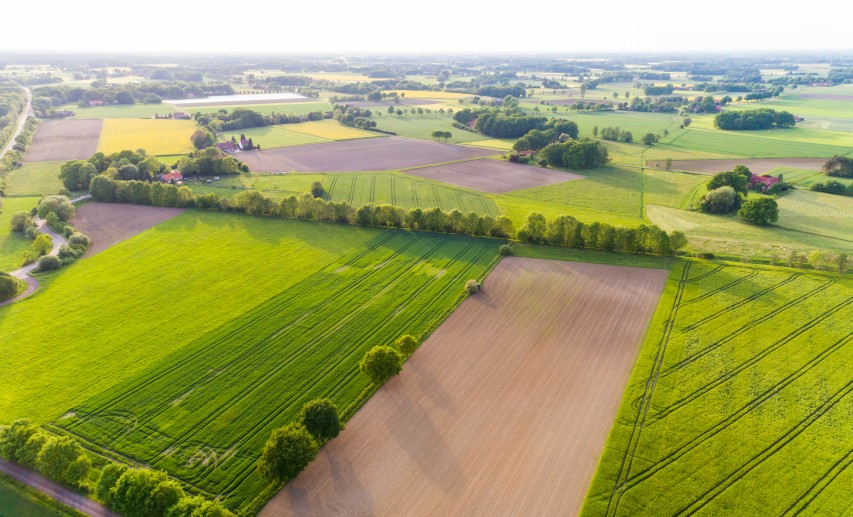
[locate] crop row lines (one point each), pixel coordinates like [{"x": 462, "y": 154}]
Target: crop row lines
[
  {"x": 803, "y": 502},
  {"x": 721, "y": 288}
]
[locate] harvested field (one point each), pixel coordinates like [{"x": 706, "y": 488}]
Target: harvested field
[
  {"x": 110, "y": 223},
  {"x": 756, "y": 165},
  {"x": 504, "y": 410},
  {"x": 494, "y": 176},
  {"x": 569, "y": 102},
  {"x": 369, "y": 154},
  {"x": 61, "y": 140},
  {"x": 826, "y": 96}
]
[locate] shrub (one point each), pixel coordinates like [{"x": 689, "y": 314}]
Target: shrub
[
  {"x": 164, "y": 496},
  {"x": 28, "y": 455},
  {"x": 287, "y": 451},
  {"x": 317, "y": 189},
  {"x": 472, "y": 286},
  {"x": 42, "y": 244},
  {"x": 132, "y": 491},
  {"x": 61, "y": 459},
  {"x": 54, "y": 223},
  {"x": 49, "y": 262},
  {"x": 8, "y": 287},
  {"x": 21, "y": 221},
  {"x": 407, "y": 345},
  {"x": 60, "y": 205},
  {"x": 721, "y": 200},
  {"x": 14, "y": 437},
  {"x": 760, "y": 211},
  {"x": 64, "y": 192},
  {"x": 524, "y": 159},
  {"x": 381, "y": 363},
  {"x": 320, "y": 418},
  {"x": 198, "y": 507},
  {"x": 68, "y": 231},
  {"x": 543, "y": 163},
  {"x": 79, "y": 240}
]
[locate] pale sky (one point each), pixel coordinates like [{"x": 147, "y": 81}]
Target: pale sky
[{"x": 433, "y": 26}]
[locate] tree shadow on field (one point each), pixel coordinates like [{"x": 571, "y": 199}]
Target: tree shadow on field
[
  {"x": 348, "y": 497},
  {"x": 413, "y": 429},
  {"x": 430, "y": 387}
]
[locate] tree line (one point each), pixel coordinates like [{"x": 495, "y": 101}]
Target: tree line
[{"x": 751, "y": 120}]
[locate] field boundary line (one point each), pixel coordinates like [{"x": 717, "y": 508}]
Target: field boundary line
[{"x": 819, "y": 486}]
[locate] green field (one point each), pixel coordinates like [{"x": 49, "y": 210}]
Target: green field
[
  {"x": 269, "y": 137},
  {"x": 805, "y": 177},
  {"x": 818, "y": 213},
  {"x": 203, "y": 412},
  {"x": 123, "y": 111},
  {"x": 34, "y": 179},
  {"x": 12, "y": 245},
  {"x": 739, "y": 403},
  {"x": 19, "y": 500},
  {"x": 415, "y": 126},
  {"x": 288, "y": 108}
]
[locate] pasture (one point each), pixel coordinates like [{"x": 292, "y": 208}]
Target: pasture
[
  {"x": 34, "y": 179},
  {"x": 817, "y": 213},
  {"x": 366, "y": 154},
  {"x": 161, "y": 136},
  {"x": 13, "y": 244},
  {"x": 509, "y": 371},
  {"x": 423, "y": 126},
  {"x": 775, "y": 143},
  {"x": 121, "y": 111},
  {"x": 426, "y": 94},
  {"x": 494, "y": 176},
  {"x": 61, "y": 140},
  {"x": 756, "y": 165},
  {"x": 805, "y": 177},
  {"x": 331, "y": 130},
  {"x": 204, "y": 411},
  {"x": 270, "y": 137},
  {"x": 739, "y": 403}
]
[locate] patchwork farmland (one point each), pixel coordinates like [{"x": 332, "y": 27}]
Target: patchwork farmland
[
  {"x": 534, "y": 367},
  {"x": 398, "y": 283},
  {"x": 493, "y": 176},
  {"x": 108, "y": 224},
  {"x": 163, "y": 136},
  {"x": 716, "y": 415}
]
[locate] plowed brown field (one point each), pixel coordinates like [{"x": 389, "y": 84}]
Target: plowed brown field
[
  {"x": 57, "y": 140},
  {"x": 756, "y": 165},
  {"x": 504, "y": 410},
  {"x": 110, "y": 223}
]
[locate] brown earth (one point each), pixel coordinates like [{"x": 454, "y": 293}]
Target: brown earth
[
  {"x": 827, "y": 96},
  {"x": 70, "y": 139},
  {"x": 108, "y": 224},
  {"x": 493, "y": 176},
  {"x": 504, "y": 410},
  {"x": 366, "y": 154},
  {"x": 756, "y": 165}
]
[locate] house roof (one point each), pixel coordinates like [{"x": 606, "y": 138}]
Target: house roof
[
  {"x": 174, "y": 175},
  {"x": 226, "y": 146}
]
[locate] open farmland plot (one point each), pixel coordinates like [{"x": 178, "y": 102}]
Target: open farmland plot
[
  {"x": 405, "y": 191},
  {"x": 502, "y": 411},
  {"x": 110, "y": 223},
  {"x": 331, "y": 130},
  {"x": 817, "y": 213},
  {"x": 493, "y": 176},
  {"x": 13, "y": 244},
  {"x": 413, "y": 126},
  {"x": 34, "y": 179},
  {"x": 756, "y": 165},
  {"x": 777, "y": 143},
  {"x": 157, "y": 136},
  {"x": 60, "y": 140},
  {"x": 740, "y": 402},
  {"x": 204, "y": 412},
  {"x": 368, "y": 154}
]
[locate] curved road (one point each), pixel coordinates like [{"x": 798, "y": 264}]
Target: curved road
[
  {"x": 62, "y": 494},
  {"x": 24, "y": 272},
  {"x": 28, "y": 112}
]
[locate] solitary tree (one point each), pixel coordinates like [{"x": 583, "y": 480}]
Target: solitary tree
[
  {"x": 202, "y": 139},
  {"x": 287, "y": 451},
  {"x": 381, "y": 363},
  {"x": 407, "y": 345},
  {"x": 321, "y": 419},
  {"x": 761, "y": 211}
]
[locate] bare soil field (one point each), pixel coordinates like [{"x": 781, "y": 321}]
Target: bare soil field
[
  {"x": 108, "y": 224},
  {"x": 756, "y": 165},
  {"x": 504, "y": 409},
  {"x": 493, "y": 176},
  {"x": 827, "y": 96},
  {"x": 367, "y": 154},
  {"x": 57, "y": 140}
]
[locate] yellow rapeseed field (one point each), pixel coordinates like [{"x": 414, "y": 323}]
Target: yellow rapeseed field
[
  {"x": 329, "y": 129},
  {"x": 157, "y": 136}
]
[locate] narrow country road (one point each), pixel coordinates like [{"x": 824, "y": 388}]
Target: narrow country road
[
  {"x": 24, "y": 272},
  {"x": 28, "y": 111},
  {"x": 62, "y": 494}
]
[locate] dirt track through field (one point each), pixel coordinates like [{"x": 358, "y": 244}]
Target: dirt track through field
[
  {"x": 367, "y": 154},
  {"x": 504, "y": 410},
  {"x": 57, "y": 140},
  {"x": 108, "y": 224},
  {"x": 756, "y": 165},
  {"x": 494, "y": 176}
]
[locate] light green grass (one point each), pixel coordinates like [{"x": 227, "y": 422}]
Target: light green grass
[
  {"x": 289, "y": 108},
  {"x": 735, "y": 424},
  {"x": 729, "y": 236},
  {"x": 269, "y": 137},
  {"x": 13, "y": 244},
  {"x": 422, "y": 126},
  {"x": 34, "y": 179},
  {"x": 20, "y": 500},
  {"x": 212, "y": 404},
  {"x": 526, "y": 249},
  {"x": 493, "y": 143},
  {"x": 775, "y": 143},
  {"x": 123, "y": 111},
  {"x": 805, "y": 177},
  {"x": 607, "y": 194},
  {"x": 674, "y": 189},
  {"x": 178, "y": 273},
  {"x": 818, "y": 213}
]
